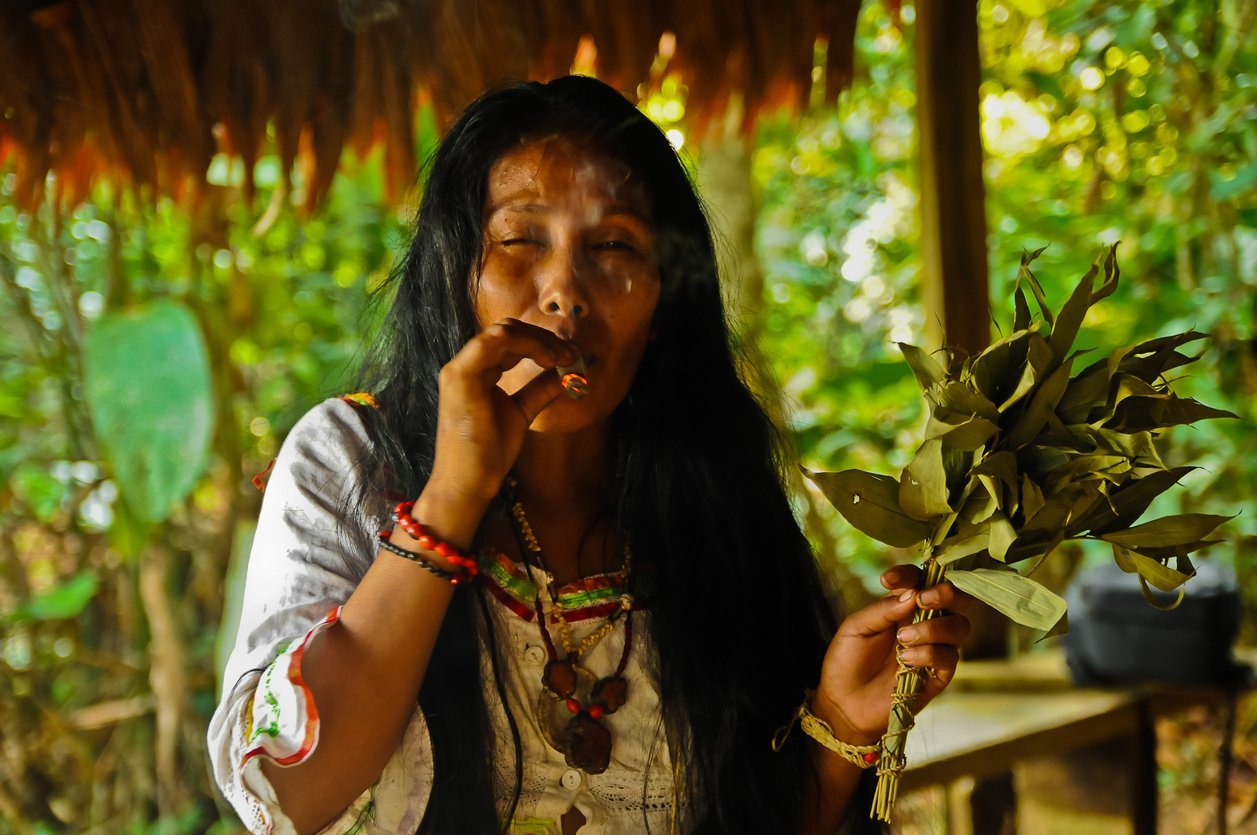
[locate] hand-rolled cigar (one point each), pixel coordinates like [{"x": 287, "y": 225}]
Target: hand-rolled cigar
[{"x": 575, "y": 383}]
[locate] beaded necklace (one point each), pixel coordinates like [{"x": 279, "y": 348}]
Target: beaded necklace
[{"x": 583, "y": 739}]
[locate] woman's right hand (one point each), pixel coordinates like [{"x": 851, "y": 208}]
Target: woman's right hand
[{"x": 481, "y": 428}]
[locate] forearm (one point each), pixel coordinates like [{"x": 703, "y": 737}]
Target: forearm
[
  {"x": 365, "y": 672},
  {"x": 825, "y": 809},
  {"x": 838, "y": 778}
]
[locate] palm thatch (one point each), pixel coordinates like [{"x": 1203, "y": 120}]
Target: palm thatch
[{"x": 146, "y": 92}]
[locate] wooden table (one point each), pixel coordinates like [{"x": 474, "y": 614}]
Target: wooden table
[{"x": 999, "y": 712}]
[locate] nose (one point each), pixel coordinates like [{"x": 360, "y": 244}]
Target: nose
[{"x": 561, "y": 287}]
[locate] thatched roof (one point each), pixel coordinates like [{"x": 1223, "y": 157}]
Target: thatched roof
[{"x": 145, "y": 92}]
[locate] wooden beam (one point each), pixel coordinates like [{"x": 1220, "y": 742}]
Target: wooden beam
[{"x": 953, "y": 201}]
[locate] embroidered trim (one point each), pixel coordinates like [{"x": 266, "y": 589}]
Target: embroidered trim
[
  {"x": 266, "y": 688},
  {"x": 361, "y": 398},
  {"x": 259, "y": 480},
  {"x": 589, "y": 597}
]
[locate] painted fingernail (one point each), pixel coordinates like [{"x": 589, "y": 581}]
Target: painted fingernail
[
  {"x": 906, "y": 596},
  {"x": 906, "y": 634}
]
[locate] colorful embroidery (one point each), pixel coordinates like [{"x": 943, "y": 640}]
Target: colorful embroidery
[
  {"x": 259, "y": 480},
  {"x": 311, "y": 723},
  {"x": 589, "y": 597},
  {"x": 531, "y": 826},
  {"x": 362, "y": 398}
]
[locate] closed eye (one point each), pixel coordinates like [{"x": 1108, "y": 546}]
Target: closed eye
[
  {"x": 521, "y": 242},
  {"x": 615, "y": 246}
]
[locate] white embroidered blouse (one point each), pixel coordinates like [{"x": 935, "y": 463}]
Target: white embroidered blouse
[{"x": 298, "y": 577}]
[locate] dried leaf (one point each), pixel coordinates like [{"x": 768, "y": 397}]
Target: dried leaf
[
  {"x": 1085, "y": 393},
  {"x": 1065, "y": 329},
  {"x": 923, "y": 484},
  {"x": 1154, "y": 602},
  {"x": 952, "y": 398},
  {"x": 1168, "y": 531},
  {"x": 1037, "y": 365},
  {"x": 1001, "y": 466},
  {"x": 1152, "y": 412},
  {"x": 1025, "y": 274},
  {"x": 1158, "y": 574},
  {"x": 1126, "y": 504},
  {"x": 926, "y": 369},
  {"x": 994, "y": 372},
  {"x": 871, "y": 504},
  {"x": 1043, "y": 402},
  {"x": 961, "y": 546},
  {"x": 1002, "y": 535},
  {"x": 1020, "y": 598},
  {"x": 1031, "y": 498},
  {"x": 1111, "y": 274},
  {"x": 982, "y": 502},
  {"x": 966, "y": 436},
  {"x": 1150, "y": 359}
]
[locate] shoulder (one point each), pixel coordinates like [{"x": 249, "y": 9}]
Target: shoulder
[
  {"x": 332, "y": 431},
  {"x": 330, "y": 446}
]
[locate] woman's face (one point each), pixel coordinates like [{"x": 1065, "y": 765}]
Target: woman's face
[{"x": 568, "y": 246}]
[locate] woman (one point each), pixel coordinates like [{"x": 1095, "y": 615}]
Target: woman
[{"x": 646, "y": 613}]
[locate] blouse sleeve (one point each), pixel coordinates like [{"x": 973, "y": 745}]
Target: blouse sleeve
[{"x": 311, "y": 548}]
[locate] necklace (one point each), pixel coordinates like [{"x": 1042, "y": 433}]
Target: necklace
[{"x": 571, "y": 724}]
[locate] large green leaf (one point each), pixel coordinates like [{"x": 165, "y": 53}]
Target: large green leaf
[
  {"x": 148, "y": 393},
  {"x": 62, "y": 601},
  {"x": 1020, "y": 598},
  {"x": 871, "y": 503}
]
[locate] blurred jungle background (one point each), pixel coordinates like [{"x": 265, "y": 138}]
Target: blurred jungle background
[{"x": 125, "y": 523}]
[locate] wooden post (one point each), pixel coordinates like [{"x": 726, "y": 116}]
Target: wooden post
[
  {"x": 954, "y": 281},
  {"x": 955, "y": 287},
  {"x": 953, "y": 200}
]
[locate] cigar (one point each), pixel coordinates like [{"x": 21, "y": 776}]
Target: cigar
[{"x": 575, "y": 383}]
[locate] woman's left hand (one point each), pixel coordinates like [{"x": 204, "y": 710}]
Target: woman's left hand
[{"x": 858, "y": 674}]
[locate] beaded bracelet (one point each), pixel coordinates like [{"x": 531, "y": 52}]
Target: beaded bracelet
[
  {"x": 864, "y": 756},
  {"x": 428, "y": 542},
  {"x": 453, "y": 577}
]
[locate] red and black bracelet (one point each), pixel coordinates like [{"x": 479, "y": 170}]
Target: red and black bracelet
[
  {"x": 427, "y": 542},
  {"x": 453, "y": 577}
]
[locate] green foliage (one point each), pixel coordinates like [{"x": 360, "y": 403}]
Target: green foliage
[
  {"x": 147, "y": 381},
  {"x": 1022, "y": 454},
  {"x": 151, "y": 359},
  {"x": 1158, "y": 155},
  {"x": 64, "y": 600}
]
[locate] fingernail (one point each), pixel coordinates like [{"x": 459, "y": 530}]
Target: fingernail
[
  {"x": 906, "y": 596},
  {"x": 906, "y": 634},
  {"x": 929, "y": 598}
]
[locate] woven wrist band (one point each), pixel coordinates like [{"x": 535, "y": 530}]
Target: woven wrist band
[
  {"x": 864, "y": 756},
  {"x": 453, "y": 577}
]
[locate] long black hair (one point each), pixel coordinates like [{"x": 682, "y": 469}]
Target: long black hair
[{"x": 737, "y": 620}]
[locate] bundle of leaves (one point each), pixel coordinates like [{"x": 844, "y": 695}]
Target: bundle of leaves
[{"x": 1022, "y": 453}]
